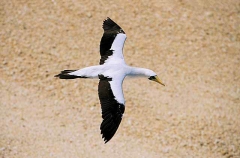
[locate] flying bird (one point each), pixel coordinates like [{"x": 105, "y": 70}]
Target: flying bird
[{"x": 111, "y": 73}]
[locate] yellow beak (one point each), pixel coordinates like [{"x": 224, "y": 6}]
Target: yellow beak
[{"x": 158, "y": 80}]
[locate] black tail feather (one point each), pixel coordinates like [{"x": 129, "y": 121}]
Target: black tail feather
[{"x": 65, "y": 75}]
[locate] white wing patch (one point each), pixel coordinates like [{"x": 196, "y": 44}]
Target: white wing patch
[
  {"x": 117, "y": 48},
  {"x": 118, "y": 42},
  {"x": 116, "y": 86}
]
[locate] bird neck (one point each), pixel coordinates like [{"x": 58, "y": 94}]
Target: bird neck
[{"x": 141, "y": 72}]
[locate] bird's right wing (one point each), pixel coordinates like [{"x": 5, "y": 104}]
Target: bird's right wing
[{"x": 112, "y": 41}]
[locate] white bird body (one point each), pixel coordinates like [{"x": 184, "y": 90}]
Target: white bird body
[
  {"x": 117, "y": 72},
  {"x": 111, "y": 73}
]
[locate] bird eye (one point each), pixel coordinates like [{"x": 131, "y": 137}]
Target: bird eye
[{"x": 151, "y": 78}]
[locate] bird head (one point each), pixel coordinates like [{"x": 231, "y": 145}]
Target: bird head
[{"x": 156, "y": 79}]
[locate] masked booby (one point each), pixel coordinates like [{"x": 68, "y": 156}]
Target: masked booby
[{"x": 111, "y": 73}]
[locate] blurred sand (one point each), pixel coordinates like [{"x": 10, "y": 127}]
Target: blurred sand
[{"x": 194, "y": 46}]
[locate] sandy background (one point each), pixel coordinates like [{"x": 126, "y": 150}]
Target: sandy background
[{"x": 194, "y": 47}]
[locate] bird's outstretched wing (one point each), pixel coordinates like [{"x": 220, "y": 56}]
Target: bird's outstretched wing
[
  {"x": 112, "y": 110},
  {"x": 112, "y": 41}
]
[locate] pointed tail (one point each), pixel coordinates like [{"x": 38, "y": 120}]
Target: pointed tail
[{"x": 65, "y": 75}]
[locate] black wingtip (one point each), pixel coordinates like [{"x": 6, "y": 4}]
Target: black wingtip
[
  {"x": 110, "y": 25},
  {"x": 108, "y": 136},
  {"x": 111, "y": 121},
  {"x": 107, "y": 23},
  {"x": 105, "y": 141}
]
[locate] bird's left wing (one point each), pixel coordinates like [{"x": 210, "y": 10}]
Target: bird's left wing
[
  {"x": 112, "y": 110},
  {"x": 112, "y": 42}
]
